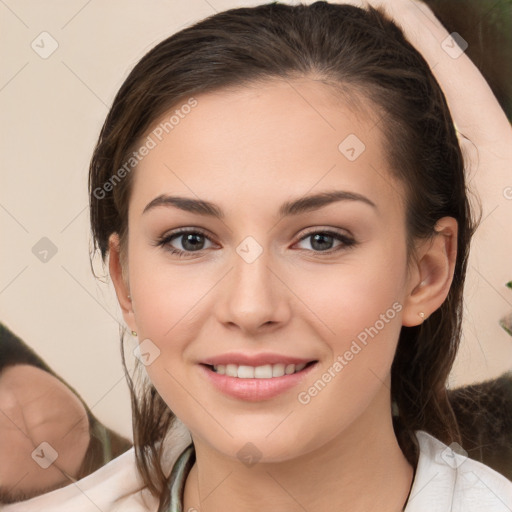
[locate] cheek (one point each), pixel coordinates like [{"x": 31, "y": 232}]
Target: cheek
[
  {"x": 166, "y": 294},
  {"x": 362, "y": 309},
  {"x": 353, "y": 296}
]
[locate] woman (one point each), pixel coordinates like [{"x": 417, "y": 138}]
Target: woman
[{"x": 307, "y": 156}]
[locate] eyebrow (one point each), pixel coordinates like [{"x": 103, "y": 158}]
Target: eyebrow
[{"x": 294, "y": 207}]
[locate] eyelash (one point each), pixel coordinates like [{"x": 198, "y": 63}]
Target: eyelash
[{"x": 347, "y": 242}]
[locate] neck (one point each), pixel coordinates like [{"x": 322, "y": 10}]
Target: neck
[{"x": 362, "y": 469}]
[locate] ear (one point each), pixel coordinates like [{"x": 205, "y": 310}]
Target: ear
[
  {"x": 121, "y": 284},
  {"x": 431, "y": 274}
]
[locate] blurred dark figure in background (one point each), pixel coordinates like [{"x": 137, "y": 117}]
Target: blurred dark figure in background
[
  {"x": 484, "y": 414},
  {"x": 38, "y": 407}
]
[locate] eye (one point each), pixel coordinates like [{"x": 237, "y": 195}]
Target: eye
[
  {"x": 191, "y": 240},
  {"x": 322, "y": 241}
]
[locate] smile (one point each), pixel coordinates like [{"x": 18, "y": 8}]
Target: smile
[{"x": 256, "y": 383}]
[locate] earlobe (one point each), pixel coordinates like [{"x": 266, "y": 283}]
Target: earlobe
[
  {"x": 433, "y": 274},
  {"x": 119, "y": 281}
]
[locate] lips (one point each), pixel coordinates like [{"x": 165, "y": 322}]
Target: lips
[{"x": 256, "y": 377}]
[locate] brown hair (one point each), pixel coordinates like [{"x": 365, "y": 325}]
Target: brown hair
[{"x": 352, "y": 49}]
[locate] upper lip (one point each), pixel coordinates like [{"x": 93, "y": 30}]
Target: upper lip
[{"x": 254, "y": 359}]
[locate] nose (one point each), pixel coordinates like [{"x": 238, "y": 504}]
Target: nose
[{"x": 254, "y": 298}]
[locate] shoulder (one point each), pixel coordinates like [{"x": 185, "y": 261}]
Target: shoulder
[
  {"x": 115, "y": 487},
  {"x": 448, "y": 480}
]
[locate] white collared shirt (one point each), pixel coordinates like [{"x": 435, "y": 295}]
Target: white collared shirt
[{"x": 444, "y": 482}]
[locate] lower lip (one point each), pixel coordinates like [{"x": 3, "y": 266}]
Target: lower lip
[{"x": 255, "y": 390}]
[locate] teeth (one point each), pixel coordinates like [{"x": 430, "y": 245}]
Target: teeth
[
  {"x": 266, "y": 371},
  {"x": 277, "y": 370},
  {"x": 246, "y": 372},
  {"x": 261, "y": 372},
  {"x": 232, "y": 370}
]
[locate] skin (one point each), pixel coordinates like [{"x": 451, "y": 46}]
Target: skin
[
  {"x": 35, "y": 407},
  {"x": 250, "y": 150}
]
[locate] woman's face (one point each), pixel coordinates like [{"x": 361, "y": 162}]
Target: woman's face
[{"x": 276, "y": 277}]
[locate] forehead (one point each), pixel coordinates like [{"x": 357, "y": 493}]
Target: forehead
[{"x": 263, "y": 142}]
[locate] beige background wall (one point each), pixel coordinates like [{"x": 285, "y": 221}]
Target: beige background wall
[{"x": 52, "y": 110}]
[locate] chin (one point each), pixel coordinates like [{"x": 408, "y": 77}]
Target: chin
[{"x": 267, "y": 445}]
